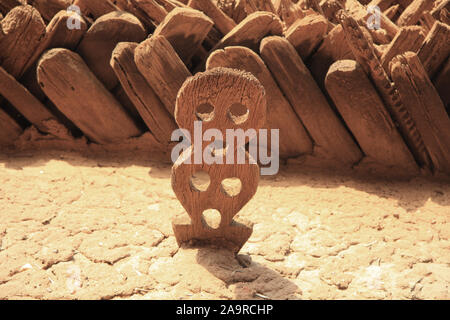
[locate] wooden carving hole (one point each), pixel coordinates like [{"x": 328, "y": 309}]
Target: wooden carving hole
[
  {"x": 238, "y": 113},
  {"x": 200, "y": 181},
  {"x": 205, "y": 112},
  {"x": 231, "y": 187},
  {"x": 212, "y": 218}
]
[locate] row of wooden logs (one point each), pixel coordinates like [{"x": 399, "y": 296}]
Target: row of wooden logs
[{"x": 335, "y": 88}]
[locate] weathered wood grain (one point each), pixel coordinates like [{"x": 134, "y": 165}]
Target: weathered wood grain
[
  {"x": 78, "y": 94},
  {"x": 220, "y": 88},
  {"x": 435, "y": 48},
  {"x": 30, "y": 107},
  {"x": 307, "y": 34},
  {"x": 21, "y": 31},
  {"x": 294, "y": 139},
  {"x": 251, "y": 30},
  {"x": 147, "y": 103},
  {"x": 222, "y": 22},
  {"x": 442, "y": 83},
  {"x": 407, "y": 39},
  {"x": 364, "y": 54},
  {"x": 185, "y": 29},
  {"x": 366, "y": 116},
  {"x": 425, "y": 106},
  {"x": 148, "y": 10},
  {"x": 163, "y": 69},
  {"x": 49, "y": 8},
  {"x": 9, "y": 129},
  {"x": 94, "y": 9},
  {"x": 328, "y": 133},
  {"x": 101, "y": 39},
  {"x": 413, "y": 12}
]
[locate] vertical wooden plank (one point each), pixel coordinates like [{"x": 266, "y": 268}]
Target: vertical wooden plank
[
  {"x": 185, "y": 29},
  {"x": 101, "y": 39},
  {"x": 327, "y": 131},
  {"x": 23, "y": 29},
  {"x": 9, "y": 129},
  {"x": 424, "y": 104},
  {"x": 78, "y": 94},
  {"x": 163, "y": 69},
  {"x": 144, "y": 98},
  {"x": 366, "y": 116}
]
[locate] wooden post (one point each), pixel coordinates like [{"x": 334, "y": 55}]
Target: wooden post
[
  {"x": 326, "y": 130},
  {"x": 49, "y": 8},
  {"x": 413, "y": 12},
  {"x": 364, "y": 53},
  {"x": 435, "y": 48},
  {"x": 251, "y": 30},
  {"x": 151, "y": 109},
  {"x": 80, "y": 96},
  {"x": 185, "y": 29},
  {"x": 21, "y": 31},
  {"x": 30, "y": 107},
  {"x": 221, "y": 89},
  {"x": 366, "y": 116},
  {"x": 294, "y": 139},
  {"x": 407, "y": 39},
  {"x": 223, "y": 22},
  {"x": 424, "y": 104},
  {"x": 163, "y": 69},
  {"x": 101, "y": 39}
]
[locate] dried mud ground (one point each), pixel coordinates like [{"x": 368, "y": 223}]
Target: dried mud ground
[{"x": 74, "y": 227}]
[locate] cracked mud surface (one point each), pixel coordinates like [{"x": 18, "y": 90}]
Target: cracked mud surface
[{"x": 82, "y": 228}]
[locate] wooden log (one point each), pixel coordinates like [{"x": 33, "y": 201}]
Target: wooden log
[
  {"x": 330, "y": 8},
  {"x": 9, "y": 129},
  {"x": 412, "y": 13},
  {"x": 30, "y": 107},
  {"x": 361, "y": 14},
  {"x": 382, "y": 4},
  {"x": 408, "y": 39},
  {"x": 7, "y": 5},
  {"x": 101, "y": 39},
  {"x": 294, "y": 139},
  {"x": 49, "y": 8},
  {"x": 20, "y": 34},
  {"x": 222, "y": 22},
  {"x": 326, "y": 130},
  {"x": 251, "y": 30},
  {"x": 435, "y": 48},
  {"x": 366, "y": 116},
  {"x": 57, "y": 35},
  {"x": 150, "y": 9},
  {"x": 78, "y": 94},
  {"x": 422, "y": 100},
  {"x": 364, "y": 54},
  {"x": 185, "y": 29},
  {"x": 94, "y": 9},
  {"x": 307, "y": 34},
  {"x": 333, "y": 48},
  {"x": 435, "y": 12},
  {"x": 163, "y": 69},
  {"x": 442, "y": 83},
  {"x": 144, "y": 98}
]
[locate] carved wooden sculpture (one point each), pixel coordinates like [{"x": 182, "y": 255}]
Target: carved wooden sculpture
[{"x": 222, "y": 90}]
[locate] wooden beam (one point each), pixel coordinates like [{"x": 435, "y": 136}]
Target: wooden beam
[
  {"x": 80, "y": 96},
  {"x": 366, "y": 116},
  {"x": 101, "y": 39},
  {"x": 9, "y": 129},
  {"x": 222, "y": 22},
  {"x": 185, "y": 29},
  {"x": 21, "y": 31},
  {"x": 424, "y": 104},
  {"x": 327, "y": 131},
  {"x": 49, "y": 8},
  {"x": 413, "y": 12},
  {"x": 163, "y": 69},
  {"x": 144, "y": 98}
]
